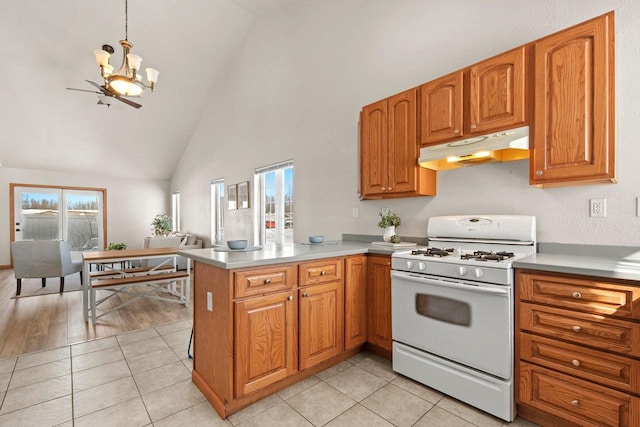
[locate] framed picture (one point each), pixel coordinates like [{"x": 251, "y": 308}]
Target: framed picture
[
  {"x": 243, "y": 195},
  {"x": 232, "y": 196}
]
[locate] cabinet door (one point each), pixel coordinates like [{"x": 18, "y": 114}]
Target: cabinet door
[
  {"x": 265, "y": 337},
  {"x": 441, "y": 109},
  {"x": 321, "y": 322},
  {"x": 355, "y": 302},
  {"x": 403, "y": 142},
  {"x": 379, "y": 301},
  {"x": 374, "y": 145},
  {"x": 574, "y": 105},
  {"x": 497, "y": 92}
]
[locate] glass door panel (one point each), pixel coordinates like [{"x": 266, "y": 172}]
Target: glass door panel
[
  {"x": 37, "y": 215},
  {"x": 83, "y": 219}
]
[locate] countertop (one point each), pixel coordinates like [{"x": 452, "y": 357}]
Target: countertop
[
  {"x": 611, "y": 262},
  {"x": 274, "y": 254}
]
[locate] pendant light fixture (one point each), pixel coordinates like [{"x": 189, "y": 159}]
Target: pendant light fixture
[{"x": 127, "y": 79}]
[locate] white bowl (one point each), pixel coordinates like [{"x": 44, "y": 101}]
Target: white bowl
[
  {"x": 316, "y": 239},
  {"x": 237, "y": 244}
]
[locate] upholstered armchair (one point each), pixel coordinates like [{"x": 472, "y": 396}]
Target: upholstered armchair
[
  {"x": 182, "y": 241},
  {"x": 41, "y": 259}
]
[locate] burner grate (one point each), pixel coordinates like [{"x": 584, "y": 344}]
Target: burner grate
[
  {"x": 433, "y": 252},
  {"x": 487, "y": 256}
]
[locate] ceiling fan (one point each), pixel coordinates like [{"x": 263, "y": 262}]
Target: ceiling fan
[{"x": 106, "y": 95}]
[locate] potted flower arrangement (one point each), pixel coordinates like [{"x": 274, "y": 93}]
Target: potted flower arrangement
[
  {"x": 389, "y": 221},
  {"x": 161, "y": 224}
]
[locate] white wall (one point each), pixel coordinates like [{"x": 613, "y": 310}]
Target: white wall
[
  {"x": 131, "y": 203},
  {"x": 301, "y": 78}
]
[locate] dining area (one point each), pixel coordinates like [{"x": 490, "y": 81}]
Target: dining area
[{"x": 137, "y": 273}]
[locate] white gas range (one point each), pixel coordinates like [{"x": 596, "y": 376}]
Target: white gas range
[{"x": 452, "y": 307}]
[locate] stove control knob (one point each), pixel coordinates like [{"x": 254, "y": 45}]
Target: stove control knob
[
  {"x": 421, "y": 266},
  {"x": 478, "y": 273},
  {"x": 409, "y": 265},
  {"x": 462, "y": 271}
]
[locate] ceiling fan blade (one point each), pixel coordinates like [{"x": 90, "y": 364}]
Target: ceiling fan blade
[
  {"x": 126, "y": 101},
  {"x": 102, "y": 88},
  {"x": 83, "y": 90}
]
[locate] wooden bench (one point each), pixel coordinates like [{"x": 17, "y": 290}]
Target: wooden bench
[
  {"x": 135, "y": 271},
  {"x": 164, "y": 282}
]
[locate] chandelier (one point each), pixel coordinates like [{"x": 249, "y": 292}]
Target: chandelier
[{"x": 127, "y": 79}]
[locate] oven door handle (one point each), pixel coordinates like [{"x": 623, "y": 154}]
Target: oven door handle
[{"x": 436, "y": 282}]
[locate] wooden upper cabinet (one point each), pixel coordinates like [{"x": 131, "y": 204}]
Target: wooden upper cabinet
[
  {"x": 441, "y": 106},
  {"x": 389, "y": 150},
  {"x": 574, "y": 126},
  {"x": 374, "y": 149},
  {"x": 497, "y": 92}
]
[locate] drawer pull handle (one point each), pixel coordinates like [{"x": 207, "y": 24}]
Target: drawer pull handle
[
  {"x": 576, "y": 328},
  {"x": 267, "y": 281},
  {"x": 575, "y": 362},
  {"x": 305, "y": 295},
  {"x": 575, "y": 403},
  {"x": 290, "y": 297},
  {"x": 576, "y": 295},
  {"x": 323, "y": 273}
]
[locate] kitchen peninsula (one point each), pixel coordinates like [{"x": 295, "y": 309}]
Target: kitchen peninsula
[{"x": 266, "y": 319}]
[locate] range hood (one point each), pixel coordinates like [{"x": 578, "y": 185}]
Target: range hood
[{"x": 512, "y": 144}]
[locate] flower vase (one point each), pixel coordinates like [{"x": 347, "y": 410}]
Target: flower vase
[{"x": 388, "y": 233}]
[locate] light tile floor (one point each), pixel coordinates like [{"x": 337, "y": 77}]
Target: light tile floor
[{"x": 143, "y": 378}]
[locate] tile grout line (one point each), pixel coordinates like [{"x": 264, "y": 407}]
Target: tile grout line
[{"x": 134, "y": 379}]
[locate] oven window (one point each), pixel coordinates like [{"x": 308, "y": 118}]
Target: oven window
[{"x": 444, "y": 309}]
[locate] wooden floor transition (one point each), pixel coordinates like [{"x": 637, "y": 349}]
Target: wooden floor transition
[{"x": 48, "y": 321}]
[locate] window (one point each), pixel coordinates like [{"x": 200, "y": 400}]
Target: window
[
  {"x": 49, "y": 212},
  {"x": 274, "y": 197},
  {"x": 175, "y": 211},
  {"x": 217, "y": 211}
]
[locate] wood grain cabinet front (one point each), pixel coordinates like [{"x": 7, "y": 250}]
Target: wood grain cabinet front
[
  {"x": 250, "y": 282},
  {"x": 379, "y": 303},
  {"x": 266, "y": 341},
  {"x": 577, "y": 350},
  {"x": 355, "y": 301},
  {"x": 493, "y": 99},
  {"x": 389, "y": 150},
  {"x": 574, "y": 122}
]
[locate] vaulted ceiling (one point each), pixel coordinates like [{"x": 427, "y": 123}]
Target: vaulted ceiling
[{"x": 48, "y": 46}]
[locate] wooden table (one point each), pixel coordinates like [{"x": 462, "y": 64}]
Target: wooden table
[{"x": 108, "y": 259}]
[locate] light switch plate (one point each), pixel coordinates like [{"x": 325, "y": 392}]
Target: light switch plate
[{"x": 209, "y": 301}]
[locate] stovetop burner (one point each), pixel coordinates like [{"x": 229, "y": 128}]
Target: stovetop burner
[
  {"x": 433, "y": 252},
  {"x": 487, "y": 256}
]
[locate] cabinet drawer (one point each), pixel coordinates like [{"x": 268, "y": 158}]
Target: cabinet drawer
[
  {"x": 263, "y": 280},
  {"x": 582, "y": 328},
  {"x": 577, "y": 401},
  {"x": 605, "y": 368},
  {"x": 321, "y": 271},
  {"x": 598, "y": 297}
]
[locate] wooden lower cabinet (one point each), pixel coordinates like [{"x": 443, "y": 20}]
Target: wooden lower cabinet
[
  {"x": 379, "y": 303},
  {"x": 577, "y": 401},
  {"x": 258, "y": 330},
  {"x": 321, "y": 322},
  {"x": 577, "y": 350},
  {"x": 266, "y": 341},
  {"x": 355, "y": 301}
]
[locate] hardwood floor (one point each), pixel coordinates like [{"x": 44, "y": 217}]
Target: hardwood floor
[{"x": 48, "y": 321}]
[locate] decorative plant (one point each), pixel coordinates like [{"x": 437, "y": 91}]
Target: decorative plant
[
  {"x": 389, "y": 219},
  {"x": 161, "y": 224},
  {"x": 116, "y": 246}
]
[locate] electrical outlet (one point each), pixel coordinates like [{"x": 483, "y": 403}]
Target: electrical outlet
[
  {"x": 355, "y": 212},
  {"x": 598, "y": 208}
]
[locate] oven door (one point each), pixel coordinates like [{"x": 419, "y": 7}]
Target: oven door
[{"x": 466, "y": 322}]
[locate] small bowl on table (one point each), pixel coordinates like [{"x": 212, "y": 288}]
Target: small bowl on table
[
  {"x": 316, "y": 239},
  {"x": 237, "y": 244}
]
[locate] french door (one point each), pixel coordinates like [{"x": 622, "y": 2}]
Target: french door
[{"x": 51, "y": 213}]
